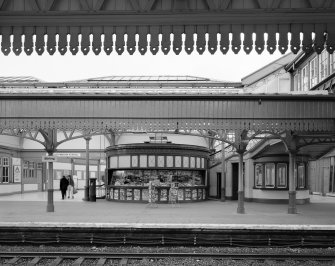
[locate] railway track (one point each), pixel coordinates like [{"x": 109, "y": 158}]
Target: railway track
[{"x": 95, "y": 258}]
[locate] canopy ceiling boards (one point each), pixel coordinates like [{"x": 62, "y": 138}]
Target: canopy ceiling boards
[{"x": 119, "y": 25}]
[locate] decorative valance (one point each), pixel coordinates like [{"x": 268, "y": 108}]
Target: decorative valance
[{"x": 142, "y": 25}]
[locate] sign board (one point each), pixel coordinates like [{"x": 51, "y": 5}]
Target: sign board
[
  {"x": 16, "y": 161},
  {"x": 49, "y": 158},
  {"x": 17, "y": 173},
  {"x": 67, "y": 154}
]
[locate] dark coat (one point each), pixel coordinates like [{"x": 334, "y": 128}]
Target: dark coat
[{"x": 63, "y": 183}]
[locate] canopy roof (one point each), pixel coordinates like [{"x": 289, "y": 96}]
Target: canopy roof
[{"x": 217, "y": 24}]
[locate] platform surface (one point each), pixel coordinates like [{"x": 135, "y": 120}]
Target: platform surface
[{"x": 29, "y": 209}]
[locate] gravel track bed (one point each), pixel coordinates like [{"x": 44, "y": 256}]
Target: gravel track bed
[{"x": 178, "y": 261}]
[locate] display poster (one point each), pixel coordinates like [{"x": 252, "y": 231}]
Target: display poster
[{"x": 17, "y": 173}]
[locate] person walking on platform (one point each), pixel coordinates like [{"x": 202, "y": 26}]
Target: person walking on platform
[
  {"x": 63, "y": 186},
  {"x": 70, "y": 187}
]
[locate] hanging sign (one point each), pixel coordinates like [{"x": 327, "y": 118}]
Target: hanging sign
[{"x": 17, "y": 173}]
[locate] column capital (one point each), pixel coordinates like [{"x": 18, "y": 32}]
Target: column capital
[{"x": 87, "y": 138}]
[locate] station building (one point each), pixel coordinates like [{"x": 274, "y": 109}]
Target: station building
[{"x": 127, "y": 162}]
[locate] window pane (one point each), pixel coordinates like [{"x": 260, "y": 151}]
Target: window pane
[
  {"x": 270, "y": 175},
  {"x": 301, "y": 175},
  {"x": 160, "y": 161},
  {"x": 143, "y": 161},
  {"x": 258, "y": 175},
  {"x": 297, "y": 82},
  {"x": 198, "y": 163},
  {"x": 124, "y": 161},
  {"x": 323, "y": 65},
  {"x": 113, "y": 162},
  {"x": 5, "y": 161},
  {"x": 134, "y": 161},
  {"x": 169, "y": 161},
  {"x": 5, "y": 174},
  {"x": 152, "y": 160},
  {"x": 313, "y": 73},
  {"x": 177, "y": 161},
  {"x": 305, "y": 79},
  {"x": 282, "y": 175},
  {"x": 192, "y": 162},
  {"x": 186, "y": 162}
]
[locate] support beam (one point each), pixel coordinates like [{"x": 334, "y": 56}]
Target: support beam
[
  {"x": 86, "y": 195},
  {"x": 223, "y": 173}
]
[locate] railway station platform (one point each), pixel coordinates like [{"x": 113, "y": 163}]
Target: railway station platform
[
  {"x": 24, "y": 220},
  {"x": 31, "y": 208}
]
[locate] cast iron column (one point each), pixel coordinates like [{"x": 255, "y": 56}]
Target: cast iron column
[
  {"x": 292, "y": 207},
  {"x": 240, "y": 206},
  {"x": 72, "y": 167},
  {"x": 99, "y": 177},
  {"x": 223, "y": 173},
  {"x": 86, "y": 195},
  {"x": 50, "y": 205}
]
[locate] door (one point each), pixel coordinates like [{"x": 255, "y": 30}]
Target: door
[
  {"x": 218, "y": 185},
  {"x": 332, "y": 175},
  {"x": 234, "y": 181}
]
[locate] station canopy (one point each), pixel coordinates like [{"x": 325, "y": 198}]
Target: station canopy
[{"x": 142, "y": 25}]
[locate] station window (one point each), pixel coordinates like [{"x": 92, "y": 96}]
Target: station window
[
  {"x": 282, "y": 175},
  {"x": 313, "y": 72},
  {"x": 297, "y": 82},
  {"x": 301, "y": 176},
  {"x": 271, "y": 175},
  {"x": 332, "y": 63},
  {"x": 5, "y": 169},
  {"x": 258, "y": 175},
  {"x": 323, "y": 65},
  {"x": 29, "y": 169},
  {"x": 305, "y": 79}
]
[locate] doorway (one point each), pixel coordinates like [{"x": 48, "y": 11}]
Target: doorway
[
  {"x": 218, "y": 185},
  {"x": 234, "y": 181}
]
